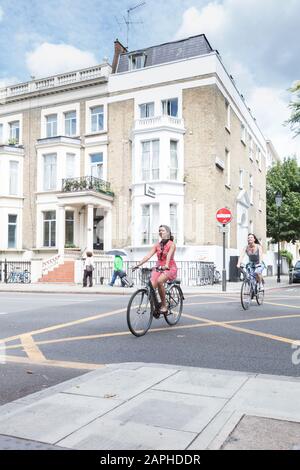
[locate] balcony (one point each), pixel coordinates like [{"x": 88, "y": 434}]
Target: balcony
[
  {"x": 58, "y": 140},
  {"x": 159, "y": 123},
  {"x": 68, "y": 80},
  {"x": 86, "y": 183},
  {"x": 12, "y": 149}
]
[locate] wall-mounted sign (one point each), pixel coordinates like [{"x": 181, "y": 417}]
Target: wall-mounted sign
[{"x": 149, "y": 190}]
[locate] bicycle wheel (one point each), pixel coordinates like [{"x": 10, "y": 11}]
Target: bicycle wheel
[
  {"x": 246, "y": 294},
  {"x": 260, "y": 294},
  {"x": 139, "y": 313},
  {"x": 175, "y": 302}
]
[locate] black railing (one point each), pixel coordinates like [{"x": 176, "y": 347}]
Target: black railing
[
  {"x": 191, "y": 273},
  {"x": 86, "y": 183},
  {"x": 15, "y": 271}
]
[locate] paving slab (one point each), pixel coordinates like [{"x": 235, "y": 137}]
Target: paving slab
[
  {"x": 118, "y": 435},
  {"x": 122, "y": 384},
  {"x": 53, "y": 418},
  {"x": 268, "y": 397},
  {"x": 200, "y": 382},
  {"x": 12, "y": 443}
]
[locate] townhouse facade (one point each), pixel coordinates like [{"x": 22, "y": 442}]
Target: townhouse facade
[{"x": 98, "y": 158}]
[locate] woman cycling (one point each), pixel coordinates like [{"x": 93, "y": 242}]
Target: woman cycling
[
  {"x": 164, "y": 250},
  {"x": 254, "y": 252}
]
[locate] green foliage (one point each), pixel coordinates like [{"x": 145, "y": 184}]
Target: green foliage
[
  {"x": 288, "y": 255},
  {"x": 294, "y": 121},
  {"x": 284, "y": 177}
]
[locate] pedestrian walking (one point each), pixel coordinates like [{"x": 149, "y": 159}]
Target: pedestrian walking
[
  {"x": 118, "y": 271},
  {"x": 88, "y": 269}
]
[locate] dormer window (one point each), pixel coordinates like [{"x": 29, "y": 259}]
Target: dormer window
[{"x": 137, "y": 61}]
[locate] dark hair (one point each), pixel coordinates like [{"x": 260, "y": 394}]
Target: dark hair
[
  {"x": 89, "y": 254},
  {"x": 255, "y": 238},
  {"x": 167, "y": 228}
]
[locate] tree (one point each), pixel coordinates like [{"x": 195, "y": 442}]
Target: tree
[
  {"x": 284, "y": 177},
  {"x": 294, "y": 120}
]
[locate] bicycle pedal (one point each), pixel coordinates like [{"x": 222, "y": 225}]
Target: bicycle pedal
[{"x": 156, "y": 315}]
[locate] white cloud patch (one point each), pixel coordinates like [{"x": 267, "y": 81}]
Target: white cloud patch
[
  {"x": 258, "y": 44},
  {"x": 51, "y": 59}
]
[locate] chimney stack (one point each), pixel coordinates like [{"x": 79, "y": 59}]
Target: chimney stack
[{"x": 119, "y": 49}]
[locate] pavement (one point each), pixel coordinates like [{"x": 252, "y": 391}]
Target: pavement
[
  {"x": 60, "y": 288},
  {"x": 139, "y": 406}
]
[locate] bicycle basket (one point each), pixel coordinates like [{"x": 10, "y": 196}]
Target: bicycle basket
[{"x": 145, "y": 274}]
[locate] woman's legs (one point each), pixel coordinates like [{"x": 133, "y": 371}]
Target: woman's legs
[{"x": 160, "y": 284}]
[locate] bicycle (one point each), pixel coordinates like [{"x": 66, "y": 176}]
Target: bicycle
[
  {"x": 18, "y": 276},
  {"x": 251, "y": 287},
  {"x": 143, "y": 305}
]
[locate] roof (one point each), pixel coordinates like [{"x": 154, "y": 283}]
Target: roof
[{"x": 168, "y": 52}]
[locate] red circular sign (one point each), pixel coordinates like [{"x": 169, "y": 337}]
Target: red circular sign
[{"x": 224, "y": 216}]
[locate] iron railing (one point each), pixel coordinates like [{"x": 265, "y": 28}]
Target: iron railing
[
  {"x": 191, "y": 273},
  {"x": 15, "y": 271},
  {"x": 86, "y": 183}
]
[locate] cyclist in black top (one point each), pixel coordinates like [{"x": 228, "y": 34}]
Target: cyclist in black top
[{"x": 254, "y": 252}]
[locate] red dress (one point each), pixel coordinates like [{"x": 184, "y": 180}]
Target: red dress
[{"x": 161, "y": 261}]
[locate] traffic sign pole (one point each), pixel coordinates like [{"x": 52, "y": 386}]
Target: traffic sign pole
[
  {"x": 224, "y": 268},
  {"x": 224, "y": 217}
]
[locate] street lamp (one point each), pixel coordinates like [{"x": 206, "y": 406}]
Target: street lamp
[{"x": 278, "y": 202}]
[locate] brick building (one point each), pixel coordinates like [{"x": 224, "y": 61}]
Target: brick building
[{"x": 78, "y": 149}]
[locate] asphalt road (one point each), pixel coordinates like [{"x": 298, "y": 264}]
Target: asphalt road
[{"x": 49, "y": 338}]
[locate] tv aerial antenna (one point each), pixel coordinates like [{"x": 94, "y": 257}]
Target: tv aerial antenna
[{"x": 127, "y": 20}]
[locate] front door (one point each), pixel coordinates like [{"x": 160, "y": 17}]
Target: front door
[{"x": 98, "y": 237}]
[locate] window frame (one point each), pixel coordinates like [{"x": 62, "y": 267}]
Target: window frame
[
  {"x": 97, "y": 128},
  {"x": 70, "y": 121},
  {"x": 51, "y": 222},
  {"x": 51, "y": 126},
  {"x": 14, "y": 225},
  {"x": 166, "y": 107}
]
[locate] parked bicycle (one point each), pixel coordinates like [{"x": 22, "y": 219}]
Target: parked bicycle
[
  {"x": 144, "y": 304},
  {"x": 19, "y": 276},
  {"x": 251, "y": 287}
]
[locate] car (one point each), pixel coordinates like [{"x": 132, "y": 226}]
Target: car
[{"x": 295, "y": 273}]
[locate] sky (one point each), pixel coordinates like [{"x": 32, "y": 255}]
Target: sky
[{"x": 258, "y": 41}]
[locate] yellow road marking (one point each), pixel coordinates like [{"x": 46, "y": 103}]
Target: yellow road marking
[
  {"x": 282, "y": 305},
  {"x": 53, "y": 363},
  {"x": 205, "y": 323},
  {"x": 64, "y": 325},
  {"x": 31, "y": 348}
]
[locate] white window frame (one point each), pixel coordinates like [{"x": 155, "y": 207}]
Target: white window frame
[
  {"x": 174, "y": 170},
  {"x": 251, "y": 189},
  {"x": 70, "y": 122},
  {"x": 228, "y": 168},
  {"x": 14, "y": 131},
  {"x": 96, "y": 167},
  {"x": 150, "y": 171},
  {"x": 50, "y": 179},
  {"x": 149, "y": 236},
  {"x": 15, "y": 225},
  {"x": 241, "y": 181},
  {"x": 51, "y": 125},
  {"x": 243, "y": 133},
  {"x": 70, "y": 164},
  {"x": 50, "y": 222},
  {"x": 137, "y": 61},
  {"x": 228, "y": 115},
  {"x": 13, "y": 177},
  {"x": 166, "y": 107},
  {"x": 148, "y": 108},
  {"x": 96, "y": 128},
  {"x": 173, "y": 209},
  {"x": 250, "y": 141}
]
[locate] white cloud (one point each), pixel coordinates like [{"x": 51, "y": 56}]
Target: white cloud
[
  {"x": 258, "y": 45},
  {"x": 51, "y": 59},
  {"x": 270, "y": 108},
  {"x": 211, "y": 19}
]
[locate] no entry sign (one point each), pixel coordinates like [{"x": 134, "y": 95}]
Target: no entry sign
[{"x": 224, "y": 216}]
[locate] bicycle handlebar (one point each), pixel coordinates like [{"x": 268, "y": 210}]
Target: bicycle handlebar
[{"x": 158, "y": 269}]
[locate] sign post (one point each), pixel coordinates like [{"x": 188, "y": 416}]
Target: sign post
[{"x": 224, "y": 217}]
